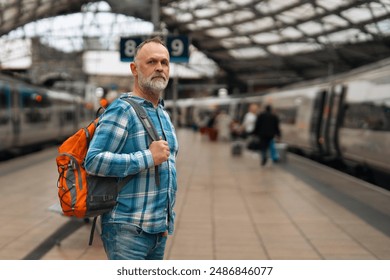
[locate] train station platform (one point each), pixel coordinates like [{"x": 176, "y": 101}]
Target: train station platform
[{"x": 228, "y": 208}]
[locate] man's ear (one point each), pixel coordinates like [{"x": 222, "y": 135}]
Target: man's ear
[{"x": 133, "y": 68}]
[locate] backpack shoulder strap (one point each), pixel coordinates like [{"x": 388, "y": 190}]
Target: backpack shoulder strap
[
  {"x": 149, "y": 127},
  {"x": 143, "y": 116}
]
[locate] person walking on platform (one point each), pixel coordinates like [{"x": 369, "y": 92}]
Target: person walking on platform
[
  {"x": 267, "y": 128},
  {"x": 249, "y": 121},
  {"x": 138, "y": 226}
]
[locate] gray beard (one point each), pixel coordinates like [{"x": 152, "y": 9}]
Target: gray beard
[
  {"x": 152, "y": 86},
  {"x": 156, "y": 85}
]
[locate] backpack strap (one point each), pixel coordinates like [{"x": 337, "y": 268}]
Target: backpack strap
[
  {"x": 144, "y": 117},
  {"x": 92, "y": 230},
  {"x": 149, "y": 127}
]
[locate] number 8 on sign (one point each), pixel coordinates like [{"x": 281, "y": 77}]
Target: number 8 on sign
[{"x": 130, "y": 46}]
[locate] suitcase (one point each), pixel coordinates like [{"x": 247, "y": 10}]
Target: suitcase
[
  {"x": 237, "y": 148},
  {"x": 282, "y": 151}
]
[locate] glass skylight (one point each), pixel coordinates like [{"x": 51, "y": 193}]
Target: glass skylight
[{"x": 231, "y": 30}]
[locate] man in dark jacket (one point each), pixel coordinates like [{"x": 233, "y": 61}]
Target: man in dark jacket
[{"x": 266, "y": 128}]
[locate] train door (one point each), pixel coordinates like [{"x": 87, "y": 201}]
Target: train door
[
  {"x": 188, "y": 118},
  {"x": 335, "y": 118},
  {"x": 16, "y": 118},
  {"x": 5, "y": 117},
  {"x": 243, "y": 109},
  {"x": 325, "y": 121},
  {"x": 317, "y": 121}
]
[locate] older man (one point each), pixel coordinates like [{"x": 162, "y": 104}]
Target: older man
[{"x": 138, "y": 226}]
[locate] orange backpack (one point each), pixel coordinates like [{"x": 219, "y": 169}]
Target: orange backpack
[
  {"x": 72, "y": 180},
  {"x": 83, "y": 195}
]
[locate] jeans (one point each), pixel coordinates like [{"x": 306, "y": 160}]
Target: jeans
[
  {"x": 129, "y": 242},
  {"x": 273, "y": 151}
]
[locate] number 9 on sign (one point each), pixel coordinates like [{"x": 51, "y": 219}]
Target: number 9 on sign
[{"x": 178, "y": 48}]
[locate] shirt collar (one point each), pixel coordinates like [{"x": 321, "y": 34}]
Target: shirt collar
[{"x": 142, "y": 100}]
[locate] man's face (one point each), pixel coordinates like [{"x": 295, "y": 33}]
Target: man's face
[{"x": 152, "y": 65}]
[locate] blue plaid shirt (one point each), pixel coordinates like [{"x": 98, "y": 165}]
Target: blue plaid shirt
[{"x": 120, "y": 148}]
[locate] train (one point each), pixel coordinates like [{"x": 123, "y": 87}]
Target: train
[
  {"x": 31, "y": 116},
  {"x": 342, "y": 119}
]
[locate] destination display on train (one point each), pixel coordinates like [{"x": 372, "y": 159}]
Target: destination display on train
[{"x": 177, "y": 46}]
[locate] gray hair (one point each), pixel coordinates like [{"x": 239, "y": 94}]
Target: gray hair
[{"x": 157, "y": 40}]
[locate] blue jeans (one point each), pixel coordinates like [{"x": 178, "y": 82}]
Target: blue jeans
[
  {"x": 129, "y": 242},
  {"x": 273, "y": 151}
]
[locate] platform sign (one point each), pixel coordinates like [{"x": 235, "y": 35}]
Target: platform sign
[
  {"x": 127, "y": 47},
  {"x": 177, "y": 47}
]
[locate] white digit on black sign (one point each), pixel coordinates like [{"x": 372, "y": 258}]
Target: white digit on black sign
[
  {"x": 177, "y": 47},
  {"x": 130, "y": 47}
]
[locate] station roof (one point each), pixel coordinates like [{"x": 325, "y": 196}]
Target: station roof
[{"x": 258, "y": 43}]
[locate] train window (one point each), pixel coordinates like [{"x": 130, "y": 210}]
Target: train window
[
  {"x": 35, "y": 106},
  {"x": 68, "y": 116},
  {"x": 34, "y": 99},
  {"x": 224, "y": 108},
  {"x": 287, "y": 115},
  {"x": 367, "y": 116},
  {"x": 4, "y": 106}
]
